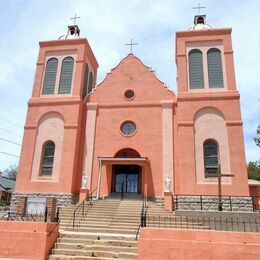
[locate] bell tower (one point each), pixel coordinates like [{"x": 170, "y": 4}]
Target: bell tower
[
  {"x": 209, "y": 119},
  {"x": 51, "y": 155}
]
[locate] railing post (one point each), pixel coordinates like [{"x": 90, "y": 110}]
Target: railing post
[
  {"x": 142, "y": 220},
  {"x": 253, "y": 204},
  {"x": 83, "y": 207},
  {"x": 57, "y": 215},
  {"x": 90, "y": 198},
  {"x": 201, "y": 206},
  {"x": 73, "y": 223},
  {"x": 122, "y": 194},
  {"x": 46, "y": 215},
  {"x": 230, "y": 203}
]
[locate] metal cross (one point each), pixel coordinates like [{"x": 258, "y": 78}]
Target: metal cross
[
  {"x": 75, "y": 18},
  {"x": 219, "y": 175},
  {"x": 131, "y": 44},
  {"x": 199, "y": 7}
]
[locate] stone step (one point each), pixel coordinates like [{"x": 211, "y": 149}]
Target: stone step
[
  {"x": 96, "y": 247},
  {"x": 107, "y": 217},
  {"x": 105, "y": 230},
  {"x": 111, "y": 242},
  {"x": 66, "y": 257},
  {"x": 96, "y": 236},
  {"x": 107, "y": 226},
  {"x": 126, "y": 211},
  {"x": 96, "y": 253},
  {"x": 100, "y": 222},
  {"x": 100, "y": 226}
]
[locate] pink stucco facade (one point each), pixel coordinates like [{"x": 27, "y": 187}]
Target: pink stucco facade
[
  {"x": 170, "y": 244},
  {"x": 170, "y": 128},
  {"x": 27, "y": 240}
]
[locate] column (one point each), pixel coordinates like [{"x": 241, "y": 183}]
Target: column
[
  {"x": 89, "y": 141},
  {"x": 167, "y": 142}
]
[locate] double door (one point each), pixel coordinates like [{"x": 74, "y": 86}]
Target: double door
[{"x": 126, "y": 178}]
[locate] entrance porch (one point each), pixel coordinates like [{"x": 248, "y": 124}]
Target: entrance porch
[{"x": 116, "y": 175}]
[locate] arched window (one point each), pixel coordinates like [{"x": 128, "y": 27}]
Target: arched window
[
  {"x": 196, "y": 69},
  {"x": 90, "y": 83},
  {"x": 50, "y": 76},
  {"x": 210, "y": 148},
  {"x": 47, "y": 158},
  {"x": 66, "y": 75},
  {"x": 85, "y": 83},
  {"x": 215, "y": 68}
]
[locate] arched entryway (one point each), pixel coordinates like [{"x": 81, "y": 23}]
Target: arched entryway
[
  {"x": 126, "y": 177},
  {"x": 128, "y": 173},
  {"x": 127, "y": 153}
]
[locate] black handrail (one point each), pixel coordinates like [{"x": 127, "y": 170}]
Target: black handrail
[
  {"x": 78, "y": 208},
  {"x": 50, "y": 232},
  {"x": 82, "y": 205},
  {"x": 143, "y": 216},
  {"x": 57, "y": 220},
  {"x": 9, "y": 213},
  {"x": 231, "y": 224},
  {"x": 13, "y": 216}
]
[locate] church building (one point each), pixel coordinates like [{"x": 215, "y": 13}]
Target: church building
[{"x": 130, "y": 133}]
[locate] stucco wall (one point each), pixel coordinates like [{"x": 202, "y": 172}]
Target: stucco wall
[
  {"x": 169, "y": 244},
  {"x": 27, "y": 240},
  {"x": 151, "y": 109}
]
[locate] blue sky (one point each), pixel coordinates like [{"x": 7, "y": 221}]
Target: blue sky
[{"x": 108, "y": 25}]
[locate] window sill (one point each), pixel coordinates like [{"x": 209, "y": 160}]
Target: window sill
[{"x": 45, "y": 178}]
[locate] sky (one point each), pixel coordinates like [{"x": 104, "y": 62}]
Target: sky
[{"x": 108, "y": 25}]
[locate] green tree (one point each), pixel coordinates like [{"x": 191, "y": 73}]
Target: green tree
[
  {"x": 257, "y": 137},
  {"x": 253, "y": 170},
  {"x": 11, "y": 172}
]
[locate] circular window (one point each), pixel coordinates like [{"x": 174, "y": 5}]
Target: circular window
[
  {"x": 128, "y": 128},
  {"x": 129, "y": 94}
]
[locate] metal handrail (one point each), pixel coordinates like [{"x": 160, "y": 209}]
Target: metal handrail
[
  {"x": 50, "y": 232},
  {"x": 143, "y": 216},
  {"x": 82, "y": 205},
  {"x": 7, "y": 214},
  {"x": 13, "y": 216},
  {"x": 204, "y": 222}
]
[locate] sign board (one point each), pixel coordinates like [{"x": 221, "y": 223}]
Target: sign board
[{"x": 36, "y": 205}]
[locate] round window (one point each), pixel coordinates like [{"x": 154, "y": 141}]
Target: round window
[
  {"x": 128, "y": 128},
  {"x": 129, "y": 94}
]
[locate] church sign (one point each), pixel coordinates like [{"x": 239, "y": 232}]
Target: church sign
[{"x": 36, "y": 205}]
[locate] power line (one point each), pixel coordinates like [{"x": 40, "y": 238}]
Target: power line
[
  {"x": 6, "y": 120},
  {"x": 9, "y": 132},
  {"x": 10, "y": 154},
  {"x": 6, "y": 140}
]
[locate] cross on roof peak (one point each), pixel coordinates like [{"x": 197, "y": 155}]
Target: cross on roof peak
[
  {"x": 131, "y": 44},
  {"x": 75, "y": 18},
  {"x": 199, "y": 7}
]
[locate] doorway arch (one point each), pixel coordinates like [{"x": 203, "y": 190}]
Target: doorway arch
[{"x": 127, "y": 153}]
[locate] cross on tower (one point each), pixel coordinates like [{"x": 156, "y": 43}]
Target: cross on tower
[
  {"x": 199, "y": 7},
  {"x": 131, "y": 44},
  {"x": 75, "y": 18}
]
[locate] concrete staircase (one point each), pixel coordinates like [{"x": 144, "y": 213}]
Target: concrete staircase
[{"x": 108, "y": 229}]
